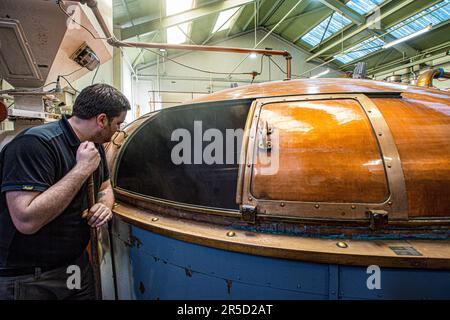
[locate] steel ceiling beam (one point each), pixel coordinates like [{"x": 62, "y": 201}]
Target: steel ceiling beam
[
  {"x": 401, "y": 47},
  {"x": 319, "y": 13},
  {"x": 273, "y": 8},
  {"x": 299, "y": 10},
  {"x": 351, "y": 14},
  {"x": 399, "y": 5},
  {"x": 187, "y": 16},
  {"x": 252, "y": 17}
]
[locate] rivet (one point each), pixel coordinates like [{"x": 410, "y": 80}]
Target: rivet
[
  {"x": 390, "y": 203},
  {"x": 342, "y": 244},
  {"x": 248, "y": 165},
  {"x": 370, "y": 111},
  {"x": 380, "y": 134},
  {"x": 250, "y": 199},
  {"x": 389, "y": 166},
  {"x": 353, "y": 207},
  {"x": 155, "y": 219},
  {"x": 282, "y": 204},
  {"x": 231, "y": 233},
  {"x": 316, "y": 206}
]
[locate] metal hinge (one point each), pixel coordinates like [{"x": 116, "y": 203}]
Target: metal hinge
[
  {"x": 248, "y": 213},
  {"x": 378, "y": 219},
  {"x": 265, "y": 142}
]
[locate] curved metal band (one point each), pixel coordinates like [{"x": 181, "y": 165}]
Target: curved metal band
[{"x": 391, "y": 159}]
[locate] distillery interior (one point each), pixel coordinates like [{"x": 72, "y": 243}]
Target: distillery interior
[{"x": 272, "y": 149}]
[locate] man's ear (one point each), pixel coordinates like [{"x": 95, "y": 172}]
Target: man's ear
[{"x": 102, "y": 120}]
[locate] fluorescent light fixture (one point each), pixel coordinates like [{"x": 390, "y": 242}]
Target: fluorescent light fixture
[
  {"x": 177, "y": 34},
  {"x": 177, "y": 6},
  {"x": 320, "y": 74},
  {"x": 412, "y": 35},
  {"x": 253, "y": 55},
  {"x": 224, "y": 20}
]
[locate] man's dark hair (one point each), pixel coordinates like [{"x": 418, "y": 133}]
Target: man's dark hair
[{"x": 100, "y": 98}]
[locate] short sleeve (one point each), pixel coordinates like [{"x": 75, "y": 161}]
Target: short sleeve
[{"x": 28, "y": 165}]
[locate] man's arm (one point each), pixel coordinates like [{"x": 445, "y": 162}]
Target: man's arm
[
  {"x": 30, "y": 211},
  {"x": 106, "y": 194},
  {"x": 101, "y": 213}
]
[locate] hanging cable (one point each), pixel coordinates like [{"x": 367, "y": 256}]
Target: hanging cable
[
  {"x": 69, "y": 74},
  {"x": 70, "y": 16},
  {"x": 68, "y": 83},
  {"x": 255, "y": 73},
  {"x": 197, "y": 69},
  {"x": 95, "y": 74},
  {"x": 281, "y": 69}
]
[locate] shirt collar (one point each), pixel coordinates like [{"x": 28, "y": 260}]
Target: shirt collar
[{"x": 68, "y": 131}]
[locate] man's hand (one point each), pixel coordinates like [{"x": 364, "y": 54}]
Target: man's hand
[
  {"x": 88, "y": 157},
  {"x": 97, "y": 215}
]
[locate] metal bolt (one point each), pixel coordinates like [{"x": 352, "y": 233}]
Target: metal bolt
[
  {"x": 282, "y": 204},
  {"x": 342, "y": 244},
  {"x": 250, "y": 199},
  {"x": 231, "y": 233},
  {"x": 353, "y": 207},
  {"x": 390, "y": 203},
  {"x": 155, "y": 219},
  {"x": 317, "y": 206}
]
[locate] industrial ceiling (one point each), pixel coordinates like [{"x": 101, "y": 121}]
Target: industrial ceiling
[{"x": 336, "y": 32}]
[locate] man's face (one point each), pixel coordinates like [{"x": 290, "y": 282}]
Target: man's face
[{"x": 110, "y": 128}]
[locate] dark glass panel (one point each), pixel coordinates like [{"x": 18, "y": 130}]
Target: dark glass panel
[{"x": 146, "y": 166}]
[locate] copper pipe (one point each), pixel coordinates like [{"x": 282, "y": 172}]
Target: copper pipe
[
  {"x": 426, "y": 78},
  {"x": 201, "y": 48},
  {"x": 114, "y": 42},
  {"x": 288, "y": 67}
]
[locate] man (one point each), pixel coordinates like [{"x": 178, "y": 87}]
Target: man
[{"x": 44, "y": 221}]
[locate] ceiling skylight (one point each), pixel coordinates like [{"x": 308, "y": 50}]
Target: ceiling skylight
[
  {"x": 434, "y": 15},
  {"x": 177, "y": 6},
  {"x": 326, "y": 29},
  {"x": 363, "y": 6},
  {"x": 224, "y": 20},
  {"x": 360, "y": 50},
  {"x": 177, "y": 34}
]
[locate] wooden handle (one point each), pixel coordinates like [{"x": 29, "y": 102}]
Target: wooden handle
[{"x": 94, "y": 242}]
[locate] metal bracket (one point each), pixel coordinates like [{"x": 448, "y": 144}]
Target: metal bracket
[
  {"x": 248, "y": 213},
  {"x": 265, "y": 142},
  {"x": 378, "y": 219}
]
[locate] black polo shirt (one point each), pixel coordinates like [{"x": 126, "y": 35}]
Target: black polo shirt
[{"x": 34, "y": 160}]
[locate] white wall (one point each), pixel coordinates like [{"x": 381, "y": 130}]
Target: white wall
[{"x": 190, "y": 83}]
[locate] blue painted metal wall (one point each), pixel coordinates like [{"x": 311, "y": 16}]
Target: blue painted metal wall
[{"x": 165, "y": 268}]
